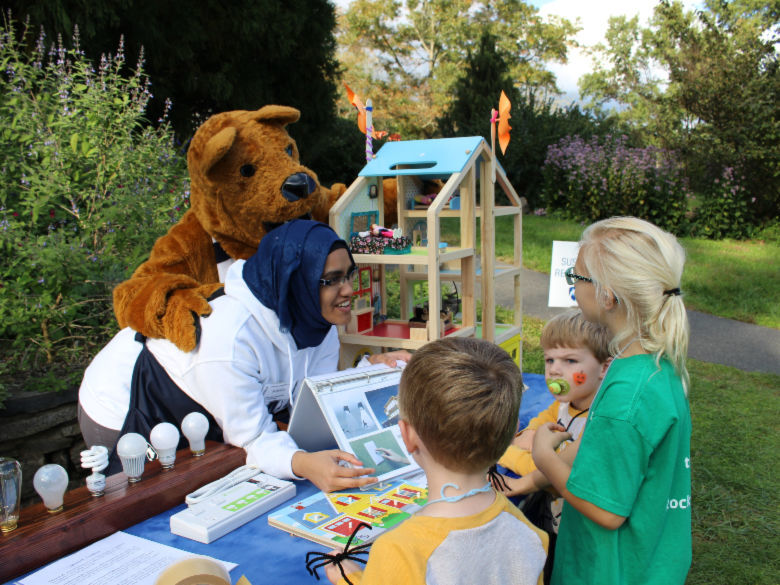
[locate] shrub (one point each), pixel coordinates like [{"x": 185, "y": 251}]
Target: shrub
[
  {"x": 87, "y": 187},
  {"x": 595, "y": 179},
  {"x": 724, "y": 211}
]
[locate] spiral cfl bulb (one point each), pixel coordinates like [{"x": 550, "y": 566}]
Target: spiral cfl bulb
[
  {"x": 51, "y": 481},
  {"x": 559, "y": 386},
  {"x": 195, "y": 426},
  {"x": 165, "y": 439},
  {"x": 95, "y": 459}
]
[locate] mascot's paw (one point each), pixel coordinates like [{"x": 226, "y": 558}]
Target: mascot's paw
[
  {"x": 181, "y": 322},
  {"x": 326, "y": 200}
]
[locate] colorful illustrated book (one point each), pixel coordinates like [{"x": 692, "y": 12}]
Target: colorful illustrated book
[{"x": 330, "y": 518}]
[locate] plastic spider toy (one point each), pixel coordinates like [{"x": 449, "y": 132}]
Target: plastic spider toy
[{"x": 316, "y": 560}]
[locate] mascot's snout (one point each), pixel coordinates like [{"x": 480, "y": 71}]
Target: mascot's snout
[{"x": 298, "y": 186}]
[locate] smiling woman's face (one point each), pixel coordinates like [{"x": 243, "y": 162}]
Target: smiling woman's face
[{"x": 336, "y": 299}]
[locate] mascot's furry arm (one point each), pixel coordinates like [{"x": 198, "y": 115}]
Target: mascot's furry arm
[{"x": 168, "y": 291}]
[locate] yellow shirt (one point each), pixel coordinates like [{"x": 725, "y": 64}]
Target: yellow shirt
[
  {"x": 494, "y": 547},
  {"x": 519, "y": 460}
]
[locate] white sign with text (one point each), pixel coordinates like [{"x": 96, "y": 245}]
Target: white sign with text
[{"x": 564, "y": 255}]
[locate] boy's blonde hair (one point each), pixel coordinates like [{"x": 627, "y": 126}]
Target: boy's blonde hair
[
  {"x": 571, "y": 330},
  {"x": 462, "y": 397},
  {"x": 641, "y": 265}
]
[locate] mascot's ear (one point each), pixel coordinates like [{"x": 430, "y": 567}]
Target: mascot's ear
[
  {"x": 217, "y": 147},
  {"x": 282, "y": 114}
]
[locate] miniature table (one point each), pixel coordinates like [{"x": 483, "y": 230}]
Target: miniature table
[{"x": 267, "y": 555}]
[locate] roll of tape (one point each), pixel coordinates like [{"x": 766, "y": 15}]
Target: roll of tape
[{"x": 194, "y": 571}]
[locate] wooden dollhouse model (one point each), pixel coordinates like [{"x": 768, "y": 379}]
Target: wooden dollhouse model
[{"x": 466, "y": 166}]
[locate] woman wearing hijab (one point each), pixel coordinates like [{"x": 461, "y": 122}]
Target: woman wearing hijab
[{"x": 273, "y": 326}]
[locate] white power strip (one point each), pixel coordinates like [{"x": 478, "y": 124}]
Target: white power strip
[{"x": 227, "y": 509}]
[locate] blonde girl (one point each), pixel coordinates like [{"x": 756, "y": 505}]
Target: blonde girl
[{"x": 627, "y": 515}]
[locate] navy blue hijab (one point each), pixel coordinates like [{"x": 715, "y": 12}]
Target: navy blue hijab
[{"x": 284, "y": 275}]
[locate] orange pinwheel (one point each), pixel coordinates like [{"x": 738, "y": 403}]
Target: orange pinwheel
[
  {"x": 504, "y": 105},
  {"x": 355, "y": 100}
]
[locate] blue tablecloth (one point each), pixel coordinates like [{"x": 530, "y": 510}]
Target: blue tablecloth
[{"x": 267, "y": 555}]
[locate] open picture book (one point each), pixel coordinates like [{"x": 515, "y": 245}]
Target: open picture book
[{"x": 356, "y": 410}]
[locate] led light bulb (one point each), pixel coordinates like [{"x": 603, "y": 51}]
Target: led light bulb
[
  {"x": 195, "y": 426},
  {"x": 51, "y": 481},
  {"x": 95, "y": 459},
  {"x": 131, "y": 449},
  {"x": 165, "y": 439}
]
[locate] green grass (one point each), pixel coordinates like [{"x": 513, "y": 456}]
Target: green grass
[
  {"x": 734, "y": 456},
  {"x": 728, "y": 278}
]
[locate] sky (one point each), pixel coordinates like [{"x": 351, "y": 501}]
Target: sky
[{"x": 593, "y": 18}]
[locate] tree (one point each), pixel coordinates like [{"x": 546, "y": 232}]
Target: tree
[
  {"x": 407, "y": 55},
  {"x": 211, "y": 56},
  {"x": 536, "y": 122},
  {"x": 702, "y": 83}
]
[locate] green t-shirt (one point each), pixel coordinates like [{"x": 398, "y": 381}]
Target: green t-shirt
[{"x": 634, "y": 461}]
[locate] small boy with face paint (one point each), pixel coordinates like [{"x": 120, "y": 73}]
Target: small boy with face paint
[{"x": 576, "y": 356}]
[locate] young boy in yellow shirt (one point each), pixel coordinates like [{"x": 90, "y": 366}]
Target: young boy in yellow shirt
[
  {"x": 576, "y": 357},
  {"x": 459, "y": 399}
]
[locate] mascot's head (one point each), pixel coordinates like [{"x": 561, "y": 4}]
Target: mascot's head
[{"x": 247, "y": 177}]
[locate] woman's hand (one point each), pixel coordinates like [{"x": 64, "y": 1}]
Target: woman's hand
[
  {"x": 390, "y": 358},
  {"x": 322, "y": 468}
]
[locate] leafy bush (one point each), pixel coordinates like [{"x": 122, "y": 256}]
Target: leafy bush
[
  {"x": 595, "y": 179},
  {"x": 87, "y": 187},
  {"x": 724, "y": 212}
]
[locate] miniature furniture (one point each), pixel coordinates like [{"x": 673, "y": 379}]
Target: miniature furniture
[{"x": 466, "y": 167}]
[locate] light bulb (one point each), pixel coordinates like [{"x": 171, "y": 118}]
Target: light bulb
[
  {"x": 51, "y": 481},
  {"x": 95, "y": 459},
  {"x": 165, "y": 439},
  {"x": 195, "y": 426},
  {"x": 131, "y": 449}
]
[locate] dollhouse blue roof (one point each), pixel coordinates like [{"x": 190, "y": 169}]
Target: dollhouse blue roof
[{"x": 438, "y": 157}]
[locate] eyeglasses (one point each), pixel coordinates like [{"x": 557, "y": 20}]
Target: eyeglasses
[
  {"x": 340, "y": 280},
  {"x": 571, "y": 277}
]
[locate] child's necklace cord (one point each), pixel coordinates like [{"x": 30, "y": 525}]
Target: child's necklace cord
[
  {"x": 452, "y": 499},
  {"x": 580, "y": 413}
]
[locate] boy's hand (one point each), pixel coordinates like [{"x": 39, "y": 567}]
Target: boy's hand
[
  {"x": 333, "y": 573},
  {"x": 322, "y": 468},
  {"x": 518, "y": 486},
  {"x": 548, "y": 437},
  {"x": 525, "y": 439}
]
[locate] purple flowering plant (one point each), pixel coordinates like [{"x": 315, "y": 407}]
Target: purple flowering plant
[
  {"x": 588, "y": 180},
  {"x": 725, "y": 211},
  {"x": 88, "y": 185}
]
